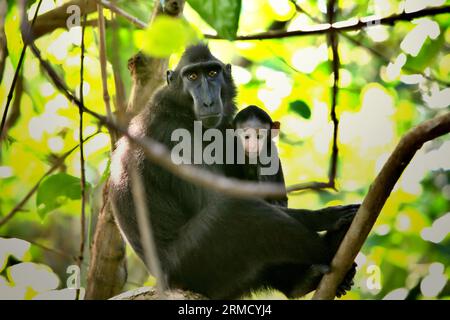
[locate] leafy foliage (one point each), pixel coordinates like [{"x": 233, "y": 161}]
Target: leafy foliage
[
  {"x": 55, "y": 190},
  {"x": 222, "y": 15},
  {"x": 382, "y": 94}
]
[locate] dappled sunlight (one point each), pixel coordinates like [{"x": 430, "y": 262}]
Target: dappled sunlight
[
  {"x": 434, "y": 282},
  {"x": 392, "y": 77},
  {"x": 372, "y": 125},
  {"x": 307, "y": 59},
  {"x": 397, "y": 294},
  {"x": 438, "y": 231},
  {"x": 415, "y": 39}
]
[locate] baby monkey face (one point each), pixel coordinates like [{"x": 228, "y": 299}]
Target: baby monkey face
[
  {"x": 254, "y": 136},
  {"x": 254, "y": 141}
]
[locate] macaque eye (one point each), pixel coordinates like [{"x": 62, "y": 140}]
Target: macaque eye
[
  {"x": 212, "y": 73},
  {"x": 192, "y": 76},
  {"x": 247, "y": 137}
]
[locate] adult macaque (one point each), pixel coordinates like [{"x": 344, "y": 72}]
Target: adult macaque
[{"x": 209, "y": 242}]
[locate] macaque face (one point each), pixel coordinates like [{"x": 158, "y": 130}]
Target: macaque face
[{"x": 254, "y": 136}]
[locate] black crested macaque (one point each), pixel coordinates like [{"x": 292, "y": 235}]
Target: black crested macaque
[
  {"x": 209, "y": 242},
  {"x": 257, "y": 131}
]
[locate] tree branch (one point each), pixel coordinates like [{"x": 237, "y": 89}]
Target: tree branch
[
  {"x": 335, "y": 65},
  {"x": 107, "y": 271},
  {"x": 158, "y": 153},
  {"x": 350, "y": 25},
  {"x": 82, "y": 161},
  {"x": 3, "y": 40},
  {"x": 135, "y": 21},
  {"x": 375, "y": 200},
  {"x": 146, "y": 231},
  {"x": 332, "y": 38},
  {"x": 15, "y": 110},
  {"x": 15, "y": 77},
  {"x": 57, "y": 18},
  {"x": 30, "y": 193}
]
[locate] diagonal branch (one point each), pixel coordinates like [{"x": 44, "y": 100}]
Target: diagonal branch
[
  {"x": 15, "y": 77},
  {"x": 375, "y": 199},
  {"x": 59, "y": 162},
  {"x": 350, "y": 25},
  {"x": 158, "y": 153}
]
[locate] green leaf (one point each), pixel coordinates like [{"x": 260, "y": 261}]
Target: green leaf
[
  {"x": 427, "y": 54},
  {"x": 167, "y": 35},
  {"x": 55, "y": 191},
  {"x": 222, "y": 15},
  {"x": 301, "y": 108}
]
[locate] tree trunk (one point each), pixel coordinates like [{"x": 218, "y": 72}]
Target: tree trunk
[{"x": 107, "y": 269}]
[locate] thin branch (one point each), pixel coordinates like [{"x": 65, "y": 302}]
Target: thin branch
[
  {"x": 52, "y": 250},
  {"x": 59, "y": 161},
  {"x": 146, "y": 231},
  {"x": 15, "y": 110},
  {"x": 383, "y": 57},
  {"x": 313, "y": 185},
  {"x": 158, "y": 153},
  {"x": 135, "y": 21},
  {"x": 3, "y": 40},
  {"x": 120, "y": 97},
  {"x": 102, "y": 50},
  {"x": 335, "y": 65},
  {"x": 82, "y": 161},
  {"x": 16, "y": 74},
  {"x": 350, "y": 25},
  {"x": 371, "y": 49},
  {"x": 375, "y": 199}
]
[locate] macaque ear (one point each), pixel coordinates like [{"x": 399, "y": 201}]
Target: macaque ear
[
  {"x": 169, "y": 76},
  {"x": 130, "y": 64},
  {"x": 228, "y": 68},
  {"x": 275, "y": 126}
]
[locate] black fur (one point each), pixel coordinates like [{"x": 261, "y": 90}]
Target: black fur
[{"x": 208, "y": 242}]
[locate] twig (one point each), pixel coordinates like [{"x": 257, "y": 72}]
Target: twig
[
  {"x": 340, "y": 26},
  {"x": 102, "y": 50},
  {"x": 82, "y": 161},
  {"x": 135, "y": 21},
  {"x": 16, "y": 73},
  {"x": 3, "y": 40},
  {"x": 120, "y": 98},
  {"x": 15, "y": 110},
  {"x": 313, "y": 185},
  {"x": 370, "y": 49},
  {"x": 30, "y": 193},
  {"x": 146, "y": 231},
  {"x": 335, "y": 65},
  {"x": 52, "y": 250},
  {"x": 387, "y": 60},
  {"x": 375, "y": 199}
]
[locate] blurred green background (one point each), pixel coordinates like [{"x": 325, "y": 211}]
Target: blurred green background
[{"x": 391, "y": 78}]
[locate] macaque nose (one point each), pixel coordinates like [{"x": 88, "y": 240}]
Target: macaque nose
[
  {"x": 208, "y": 104},
  {"x": 252, "y": 147}
]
